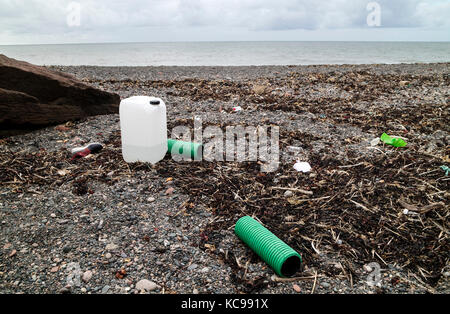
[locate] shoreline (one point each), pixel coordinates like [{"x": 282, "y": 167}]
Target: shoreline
[
  {"x": 253, "y": 65},
  {"x": 241, "y": 72},
  {"x": 234, "y": 53}
]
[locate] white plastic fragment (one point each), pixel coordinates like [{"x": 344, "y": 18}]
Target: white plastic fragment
[
  {"x": 375, "y": 142},
  {"x": 236, "y": 109},
  {"x": 302, "y": 166}
]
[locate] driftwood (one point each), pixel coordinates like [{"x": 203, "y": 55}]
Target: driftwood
[{"x": 33, "y": 96}]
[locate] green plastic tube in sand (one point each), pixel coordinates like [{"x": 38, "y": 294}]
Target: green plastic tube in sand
[
  {"x": 281, "y": 257},
  {"x": 192, "y": 150}
]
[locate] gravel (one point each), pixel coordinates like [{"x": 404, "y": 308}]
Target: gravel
[{"x": 136, "y": 234}]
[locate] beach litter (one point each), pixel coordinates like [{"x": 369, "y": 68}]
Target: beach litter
[
  {"x": 237, "y": 109},
  {"x": 405, "y": 83},
  {"x": 283, "y": 259},
  {"x": 187, "y": 149},
  {"x": 375, "y": 142},
  {"x": 396, "y": 142},
  {"x": 143, "y": 126},
  {"x": 302, "y": 167},
  {"x": 80, "y": 152},
  {"x": 446, "y": 169}
]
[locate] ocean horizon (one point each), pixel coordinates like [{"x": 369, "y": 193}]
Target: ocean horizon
[{"x": 254, "y": 53}]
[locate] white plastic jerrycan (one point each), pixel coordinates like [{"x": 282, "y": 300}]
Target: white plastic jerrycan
[{"x": 143, "y": 124}]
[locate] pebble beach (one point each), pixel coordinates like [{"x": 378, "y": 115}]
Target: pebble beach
[{"x": 98, "y": 225}]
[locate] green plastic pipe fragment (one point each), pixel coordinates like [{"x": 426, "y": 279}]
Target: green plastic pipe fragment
[
  {"x": 192, "y": 150},
  {"x": 397, "y": 142},
  {"x": 284, "y": 260}
]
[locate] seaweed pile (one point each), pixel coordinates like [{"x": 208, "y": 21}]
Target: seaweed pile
[{"x": 357, "y": 211}]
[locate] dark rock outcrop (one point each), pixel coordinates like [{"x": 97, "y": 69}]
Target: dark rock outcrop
[{"x": 32, "y": 97}]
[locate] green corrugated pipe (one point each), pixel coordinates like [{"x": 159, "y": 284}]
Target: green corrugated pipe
[
  {"x": 192, "y": 150},
  {"x": 280, "y": 256}
]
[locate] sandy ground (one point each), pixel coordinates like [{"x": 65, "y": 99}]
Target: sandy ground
[{"x": 98, "y": 225}]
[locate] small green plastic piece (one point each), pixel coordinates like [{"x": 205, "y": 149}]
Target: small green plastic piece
[
  {"x": 283, "y": 259},
  {"x": 446, "y": 169},
  {"x": 397, "y": 142},
  {"x": 192, "y": 150}
]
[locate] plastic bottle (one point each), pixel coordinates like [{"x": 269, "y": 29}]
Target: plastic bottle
[{"x": 143, "y": 124}]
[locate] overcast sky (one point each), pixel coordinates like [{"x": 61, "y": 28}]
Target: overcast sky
[{"x": 56, "y": 21}]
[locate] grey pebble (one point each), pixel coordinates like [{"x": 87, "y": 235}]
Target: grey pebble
[
  {"x": 105, "y": 289},
  {"x": 192, "y": 266}
]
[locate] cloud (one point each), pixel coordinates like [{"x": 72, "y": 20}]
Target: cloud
[
  {"x": 46, "y": 19},
  {"x": 434, "y": 13}
]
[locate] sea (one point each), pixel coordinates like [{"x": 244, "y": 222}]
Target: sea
[{"x": 230, "y": 53}]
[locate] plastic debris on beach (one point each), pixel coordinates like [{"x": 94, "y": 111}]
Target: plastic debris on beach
[
  {"x": 446, "y": 169},
  {"x": 375, "y": 142},
  {"x": 237, "y": 109},
  {"x": 80, "y": 152},
  {"x": 405, "y": 83},
  {"x": 302, "y": 166},
  {"x": 396, "y": 142}
]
